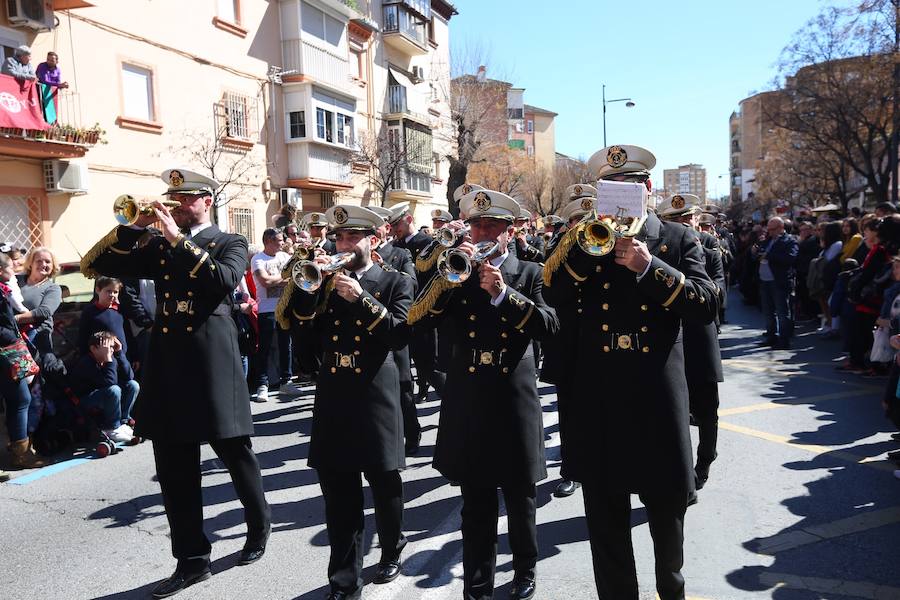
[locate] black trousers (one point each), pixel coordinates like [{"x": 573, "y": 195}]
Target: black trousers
[
  {"x": 704, "y": 403},
  {"x": 423, "y": 350},
  {"x": 479, "y": 530},
  {"x": 345, "y": 522},
  {"x": 609, "y": 527},
  {"x": 411, "y": 426},
  {"x": 178, "y": 470}
]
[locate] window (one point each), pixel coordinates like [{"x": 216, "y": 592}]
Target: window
[
  {"x": 436, "y": 171},
  {"x": 228, "y": 10},
  {"x": 357, "y": 66},
  {"x": 137, "y": 92},
  {"x": 530, "y": 126},
  {"x": 319, "y": 25},
  {"x": 431, "y": 38},
  {"x": 344, "y": 130},
  {"x": 241, "y": 221},
  {"x": 297, "y": 124},
  {"x": 237, "y": 122},
  {"x": 325, "y": 124}
]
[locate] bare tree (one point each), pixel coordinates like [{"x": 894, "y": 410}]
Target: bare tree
[
  {"x": 501, "y": 169},
  {"x": 567, "y": 171},
  {"x": 229, "y": 164},
  {"x": 383, "y": 157},
  {"x": 840, "y": 91}
]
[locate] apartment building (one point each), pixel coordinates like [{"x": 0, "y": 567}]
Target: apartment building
[
  {"x": 269, "y": 95},
  {"x": 686, "y": 179},
  {"x": 750, "y": 132}
]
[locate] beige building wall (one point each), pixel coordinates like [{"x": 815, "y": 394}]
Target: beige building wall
[
  {"x": 545, "y": 140},
  {"x": 686, "y": 179}
]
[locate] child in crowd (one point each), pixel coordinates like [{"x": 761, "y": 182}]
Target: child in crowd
[
  {"x": 12, "y": 282},
  {"x": 103, "y": 378},
  {"x": 103, "y": 315}
]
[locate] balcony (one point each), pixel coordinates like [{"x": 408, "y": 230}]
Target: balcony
[
  {"x": 399, "y": 109},
  {"x": 404, "y": 31},
  {"x": 410, "y": 185},
  {"x": 311, "y": 62},
  {"x": 315, "y": 167},
  {"x": 19, "y": 136}
]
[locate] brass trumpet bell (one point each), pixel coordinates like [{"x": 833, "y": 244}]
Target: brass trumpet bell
[
  {"x": 449, "y": 237},
  {"x": 127, "y": 209},
  {"x": 308, "y": 275},
  {"x": 597, "y": 235},
  {"x": 456, "y": 266}
]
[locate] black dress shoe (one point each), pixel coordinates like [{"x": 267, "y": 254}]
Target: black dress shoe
[
  {"x": 387, "y": 572},
  {"x": 251, "y": 555},
  {"x": 180, "y": 580},
  {"x": 523, "y": 588},
  {"x": 566, "y": 488},
  {"x": 693, "y": 499},
  {"x": 338, "y": 596}
]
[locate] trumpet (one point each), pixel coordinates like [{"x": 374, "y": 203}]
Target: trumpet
[
  {"x": 128, "y": 209},
  {"x": 597, "y": 235},
  {"x": 308, "y": 275},
  {"x": 456, "y": 266},
  {"x": 449, "y": 237}
]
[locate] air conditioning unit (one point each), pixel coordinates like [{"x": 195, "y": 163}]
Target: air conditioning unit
[
  {"x": 292, "y": 196},
  {"x": 418, "y": 73},
  {"x": 65, "y": 177},
  {"x": 33, "y": 14}
]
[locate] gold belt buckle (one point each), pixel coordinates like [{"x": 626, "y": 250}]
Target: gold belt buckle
[
  {"x": 181, "y": 306},
  {"x": 624, "y": 342},
  {"x": 346, "y": 360},
  {"x": 487, "y": 358}
]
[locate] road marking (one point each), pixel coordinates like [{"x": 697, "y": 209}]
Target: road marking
[
  {"x": 48, "y": 470},
  {"x": 789, "y": 401},
  {"x": 855, "y": 589},
  {"x": 882, "y": 465},
  {"x": 789, "y": 540}
]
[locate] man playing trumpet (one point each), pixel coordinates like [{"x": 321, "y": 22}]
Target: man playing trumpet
[
  {"x": 355, "y": 319},
  {"x": 491, "y": 432}
]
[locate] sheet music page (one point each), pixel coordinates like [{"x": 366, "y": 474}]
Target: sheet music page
[{"x": 621, "y": 198}]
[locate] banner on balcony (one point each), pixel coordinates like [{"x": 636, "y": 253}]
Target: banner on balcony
[{"x": 20, "y": 105}]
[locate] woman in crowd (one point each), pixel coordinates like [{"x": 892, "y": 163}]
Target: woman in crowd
[
  {"x": 851, "y": 237},
  {"x": 830, "y": 241},
  {"x": 15, "y": 392},
  {"x": 41, "y": 297}
]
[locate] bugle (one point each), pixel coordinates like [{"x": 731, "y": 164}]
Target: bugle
[
  {"x": 308, "y": 275},
  {"x": 456, "y": 266},
  {"x": 128, "y": 209}
]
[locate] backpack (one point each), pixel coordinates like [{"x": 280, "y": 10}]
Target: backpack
[{"x": 815, "y": 278}]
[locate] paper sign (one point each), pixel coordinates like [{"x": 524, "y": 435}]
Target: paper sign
[{"x": 621, "y": 199}]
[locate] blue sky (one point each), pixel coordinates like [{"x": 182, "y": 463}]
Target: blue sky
[{"x": 685, "y": 63}]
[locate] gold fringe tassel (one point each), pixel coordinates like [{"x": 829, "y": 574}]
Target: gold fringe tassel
[
  {"x": 284, "y": 305},
  {"x": 424, "y": 265},
  {"x": 559, "y": 254},
  {"x": 99, "y": 248},
  {"x": 428, "y": 298}
]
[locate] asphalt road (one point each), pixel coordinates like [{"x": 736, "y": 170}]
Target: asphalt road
[{"x": 799, "y": 506}]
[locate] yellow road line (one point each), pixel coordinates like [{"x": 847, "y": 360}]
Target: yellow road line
[
  {"x": 865, "y": 521},
  {"x": 882, "y": 465},
  {"x": 789, "y": 401}
]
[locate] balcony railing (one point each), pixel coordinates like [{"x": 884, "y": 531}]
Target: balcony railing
[
  {"x": 396, "y": 99},
  {"x": 328, "y": 164},
  {"x": 398, "y": 19},
  {"x": 410, "y": 180},
  {"x": 316, "y": 62}
]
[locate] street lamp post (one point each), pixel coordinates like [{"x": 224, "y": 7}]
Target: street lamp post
[{"x": 628, "y": 103}]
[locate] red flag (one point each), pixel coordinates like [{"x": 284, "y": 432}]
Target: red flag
[{"x": 20, "y": 105}]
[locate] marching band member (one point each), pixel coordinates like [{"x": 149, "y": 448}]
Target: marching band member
[
  {"x": 356, "y": 319},
  {"x": 627, "y": 427},
  {"x": 193, "y": 391},
  {"x": 491, "y": 431}
]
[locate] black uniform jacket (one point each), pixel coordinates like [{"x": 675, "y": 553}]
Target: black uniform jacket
[
  {"x": 491, "y": 429},
  {"x": 357, "y": 423},
  {"x": 702, "y": 356},
  {"x": 399, "y": 259},
  {"x": 626, "y": 422},
  {"x": 530, "y": 252},
  {"x": 415, "y": 245},
  {"x": 193, "y": 388}
]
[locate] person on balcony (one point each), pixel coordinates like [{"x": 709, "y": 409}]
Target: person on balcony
[
  {"x": 19, "y": 65},
  {"x": 49, "y": 73}
]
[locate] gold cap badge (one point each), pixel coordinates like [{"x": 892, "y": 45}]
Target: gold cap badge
[
  {"x": 340, "y": 215},
  {"x": 677, "y": 202},
  {"x": 587, "y": 203},
  {"x": 616, "y": 157},
  {"x": 467, "y": 188},
  {"x": 176, "y": 178},
  {"x": 482, "y": 201},
  {"x": 578, "y": 189},
  {"x": 314, "y": 219}
]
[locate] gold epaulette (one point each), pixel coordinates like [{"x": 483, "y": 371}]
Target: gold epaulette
[
  {"x": 559, "y": 254},
  {"x": 284, "y": 304},
  {"x": 99, "y": 248},
  {"x": 428, "y": 298}
]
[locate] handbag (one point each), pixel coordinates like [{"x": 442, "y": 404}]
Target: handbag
[
  {"x": 19, "y": 360},
  {"x": 881, "y": 346}
]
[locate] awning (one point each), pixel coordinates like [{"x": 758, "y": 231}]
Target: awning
[
  {"x": 402, "y": 79},
  {"x": 69, "y": 4}
]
